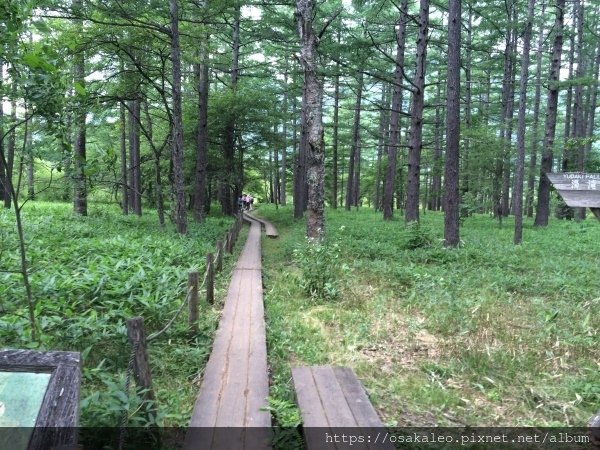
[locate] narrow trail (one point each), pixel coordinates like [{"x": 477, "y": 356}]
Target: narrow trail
[{"x": 230, "y": 411}]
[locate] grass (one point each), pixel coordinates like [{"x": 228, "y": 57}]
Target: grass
[
  {"x": 485, "y": 335},
  {"x": 89, "y": 275}
]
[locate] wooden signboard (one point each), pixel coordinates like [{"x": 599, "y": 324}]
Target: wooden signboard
[
  {"x": 39, "y": 399},
  {"x": 578, "y": 189}
]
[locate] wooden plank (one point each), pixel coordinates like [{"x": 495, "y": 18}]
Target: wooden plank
[
  {"x": 308, "y": 398},
  {"x": 332, "y": 397},
  {"x": 357, "y": 399}
]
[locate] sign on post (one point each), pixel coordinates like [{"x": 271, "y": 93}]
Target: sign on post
[
  {"x": 39, "y": 399},
  {"x": 578, "y": 189}
]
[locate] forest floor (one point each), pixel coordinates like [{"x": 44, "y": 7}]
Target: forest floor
[
  {"x": 485, "y": 335},
  {"x": 91, "y": 274}
]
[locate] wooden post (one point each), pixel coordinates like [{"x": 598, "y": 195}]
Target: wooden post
[
  {"x": 219, "y": 262},
  {"x": 227, "y": 242},
  {"x": 210, "y": 279},
  {"x": 141, "y": 367},
  {"x": 193, "y": 303},
  {"x": 230, "y": 242}
]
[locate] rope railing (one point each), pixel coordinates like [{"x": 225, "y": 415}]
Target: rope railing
[{"x": 138, "y": 361}]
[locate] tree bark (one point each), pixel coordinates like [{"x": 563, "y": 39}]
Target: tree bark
[
  {"x": 12, "y": 139},
  {"x": 79, "y": 150},
  {"x": 579, "y": 125},
  {"x": 315, "y": 223},
  {"x": 336, "y": 126},
  {"x": 536, "y": 119},
  {"x": 543, "y": 204},
  {"x": 135, "y": 160},
  {"x": 300, "y": 168},
  {"x": 283, "y": 194},
  {"x": 416, "y": 122},
  {"x": 520, "y": 165},
  {"x": 394, "y": 139},
  {"x": 230, "y": 184},
  {"x": 123, "y": 144},
  {"x": 384, "y": 127},
  {"x": 353, "y": 161},
  {"x": 179, "y": 205},
  {"x": 451, "y": 170},
  {"x": 201, "y": 133},
  {"x": 436, "y": 179}
]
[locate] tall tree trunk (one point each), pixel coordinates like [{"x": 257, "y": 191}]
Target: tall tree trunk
[
  {"x": 336, "y": 126},
  {"x": 467, "y": 65},
  {"x": 300, "y": 180},
  {"x": 451, "y": 175},
  {"x": 80, "y": 197},
  {"x": 384, "y": 126},
  {"x": 135, "y": 159},
  {"x": 436, "y": 179},
  {"x": 123, "y": 145},
  {"x": 543, "y": 205},
  {"x": 593, "y": 98},
  {"x": 416, "y": 121},
  {"x": 201, "y": 133},
  {"x": 283, "y": 193},
  {"x": 12, "y": 139},
  {"x": 579, "y": 125},
  {"x": 158, "y": 187},
  {"x": 231, "y": 179},
  {"x": 179, "y": 205},
  {"x": 353, "y": 160},
  {"x": 394, "y": 139},
  {"x": 520, "y": 165},
  {"x": 276, "y": 184},
  {"x": 567, "y": 157},
  {"x": 315, "y": 223},
  {"x": 536, "y": 119},
  {"x": 30, "y": 163}
]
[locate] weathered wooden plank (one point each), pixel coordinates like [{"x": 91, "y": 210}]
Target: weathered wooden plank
[
  {"x": 270, "y": 230},
  {"x": 354, "y": 392},
  {"x": 308, "y": 398},
  {"x": 235, "y": 383},
  {"x": 332, "y": 397}
]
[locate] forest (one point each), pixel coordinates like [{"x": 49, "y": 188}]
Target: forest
[{"x": 401, "y": 148}]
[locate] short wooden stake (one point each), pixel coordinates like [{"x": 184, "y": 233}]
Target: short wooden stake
[
  {"x": 227, "y": 242},
  {"x": 230, "y": 242},
  {"x": 210, "y": 279},
  {"x": 141, "y": 367},
  {"x": 219, "y": 261},
  {"x": 193, "y": 301}
]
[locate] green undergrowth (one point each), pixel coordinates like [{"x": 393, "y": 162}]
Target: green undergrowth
[
  {"x": 489, "y": 334},
  {"x": 89, "y": 275}
]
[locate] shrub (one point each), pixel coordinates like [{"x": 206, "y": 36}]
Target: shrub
[
  {"x": 418, "y": 236},
  {"x": 320, "y": 268}
]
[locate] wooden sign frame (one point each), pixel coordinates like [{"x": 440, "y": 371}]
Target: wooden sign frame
[
  {"x": 578, "y": 189},
  {"x": 58, "y": 416}
]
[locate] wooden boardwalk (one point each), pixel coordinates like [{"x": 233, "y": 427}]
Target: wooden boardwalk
[
  {"x": 235, "y": 384},
  {"x": 270, "y": 230}
]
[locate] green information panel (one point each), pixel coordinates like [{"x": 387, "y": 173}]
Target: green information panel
[{"x": 21, "y": 396}]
